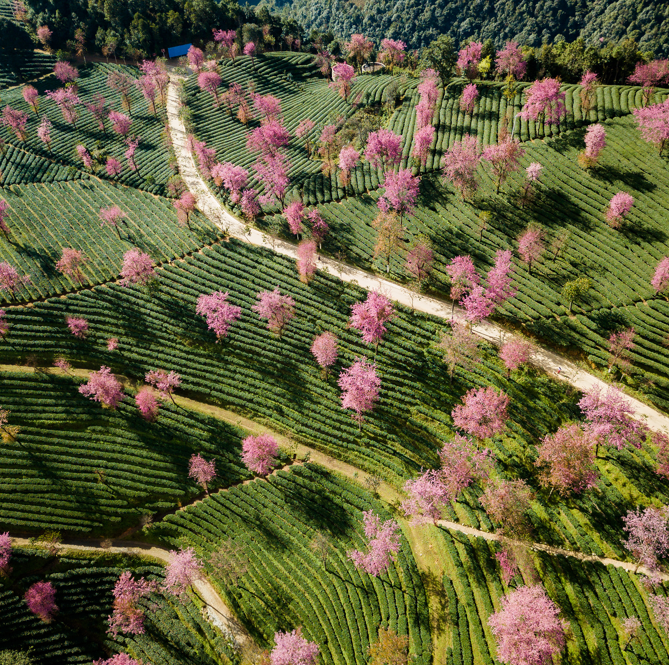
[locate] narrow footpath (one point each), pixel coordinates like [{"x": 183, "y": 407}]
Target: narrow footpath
[{"x": 548, "y": 360}]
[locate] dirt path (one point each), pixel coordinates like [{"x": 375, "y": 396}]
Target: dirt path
[
  {"x": 218, "y": 610},
  {"x": 212, "y": 208}
]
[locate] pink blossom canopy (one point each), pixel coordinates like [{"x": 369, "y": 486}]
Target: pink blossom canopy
[
  {"x": 220, "y": 314},
  {"x": 324, "y": 348},
  {"x": 200, "y": 470},
  {"x": 41, "y": 600},
  {"x": 183, "y": 570},
  {"x": 383, "y": 542},
  {"x": 103, "y": 387},
  {"x": 369, "y": 317},
  {"x": 276, "y": 308},
  {"x": 360, "y": 387},
  {"x": 259, "y": 453},
  {"x": 483, "y": 413},
  {"x": 138, "y": 268},
  {"x": 293, "y": 649}
]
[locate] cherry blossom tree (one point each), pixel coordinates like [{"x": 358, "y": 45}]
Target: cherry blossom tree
[
  {"x": 44, "y": 131},
  {"x": 210, "y": 82},
  {"x": 527, "y": 628},
  {"x": 360, "y": 388},
  {"x": 233, "y": 178},
  {"x": 545, "y": 102},
  {"x": 306, "y": 254},
  {"x": 653, "y": 122},
  {"x": 147, "y": 404},
  {"x": 65, "y": 72},
  {"x": 67, "y": 101},
  {"x": 138, "y": 268},
  {"x": 324, "y": 348},
  {"x": 383, "y": 542},
  {"x": 277, "y": 309},
  {"x": 588, "y": 83},
  {"x": 422, "y": 140},
  {"x": 619, "y": 207},
  {"x": 478, "y": 305},
  {"x": 103, "y": 387},
  {"x": 460, "y": 348},
  {"x": 206, "y": 157},
  {"x": 41, "y": 600},
  {"x": 112, "y": 216},
  {"x": 122, "y": 83},
  {"x": 78, "y": 326},
  {"x": 515, "y": 352},
  {"x": 503, "y": 158},
  {"x": 595, "y": 142},
  {"x": 620, "y": 345},
  {"x": 303, "y": 130},
  {"x": 319, "y": 227},
  {"x": 508, "y": 564},
  {"x": 369, "y": 317},
  {"x": 531, "y": 246},
  {"x": 293, "y": 649},
  {"x": 84, "y": 156},
  {"x": 507, "y": 501},
  {"x": 426, "y": 497},
  {"x": 164, "y": 382},
  {"x": 120, "y": 122},
  {"x": 463, "y": 276},
  {"x": 343, "y": 76},
  {"x": 127, "y": 615},
  {"x": 609, "y": 419},
  {"x": 220, "y": 314},
  {"x": 510, "y": 61},
  {"x": 348, "y": 160},
  {"x": 272, "y": 172},
  {"x": 468, "y": 99},
  {"x": 649, "y": 75},
  {"x": 419, "y": 262},
  {"x": 31, "y": 97},
  {"x": 4, "y": 207},
  {"x": 5, "y": 551},
  {"x": 248, "y": 202},
  {"x": 182, "y": 571},
  {"x": 401, "y": 191},
  {"x": 195, "y": 58},
  {"x": 460, "y": 163},
  {"x": 132, "y": 143},
  {"x": 429, "y": 93},
  {"x": 483, "y": 412},
  {"x": 44, "y": 35},
  {"x": 113, "y": 167},
  {"x": 384, "y": 148},
  {"x": 392, "y": 52},
  {"x": 259, "y": 453},
  {"x": 294, "y": 214},
  {"x": 660, "y": 605},
  {"x": 660, "y": 281},
  {"x": 118, "y": 659},
  {"x": 469, "y": 58},
  {"x": 359, "y": 49},
  {"x": 567, "y": 460},
  {"x": 112, "y": 344},
  {"x": 16, "y": 120},
  {"x": 631, "y": 627},
  {"x": 10, "y": 279},
  {"x": 647, "y": 535},
  {"x": 268, "y": 107},
  {"x": 146, "y": 84},
  {"x": 499, "y": 278},
  {"x": 185, "y": 205},
  {"x": 201, "y": 471},
  {"x": 532, "y": 175}
]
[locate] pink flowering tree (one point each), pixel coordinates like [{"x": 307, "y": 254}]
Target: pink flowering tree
[
  {"x": 589, "y": 82},
  {"x": 210, "y": 82},
  {"x": 84, "y": 156},
  {"x": 248, "y": 202},
  {"x": 220, "y": 314},
  {"x": 429, "y": 93},
  {"x": 294, "y": 214},
  {"x": 384, "y": 149},
  {"x": 649, "y": 75},
  {"x": 527, "y": 628},
  {"x": 401, "y": 190},
  {"x": 426, "y": 497},
  {"x": 343, "y": 76},
  {"x": 201, "y": 471},
  {"x": 78, "y": 326},
  {"x": 182, "y": 571},
  {"x": 609, "y": 419},
  {"x": 567, "y": 460},
  {"x": 44, "y": 35},
  {"x": 67, "y": 100},
  {"x": 120, "y": 122},
  {"x": 250, "y": 50},
  {"x": 515, "y": 353},
  {"x": 460, "y": 163},
  {"x": 531, "y": 246},
  {"x": 65, "y": 72},
  {"x": 653, "y": 123},
  {"x": 31, "y": 97},
  {"x": 16, "y": 121},
  {"x": 41, "y": 600},
  {"x": 99, "y": 110},
  {"x": 277, "y": 309},
  {"x": 660, "y": 281},
  {"x": 507, "y": 502},
  {"x": 259, "y": 453},
  {"x": 233, "y": 178},
  {"x": 369, "y": 317},
  {"x": 195, "y": 58},
  {"x": 483, "y": 412},
  {"x": 103, "y": 387},
  {"x": 660, "y": 605},
  {"x": 138, "y": 268},
  {"x": 272, "y": 172},
  {"x": 4, "y": 208},
  {"x": 11, "y": 279},
  {"x": 164, "y": 382},
  {"x": 468, "y": 60},
  {"x": 463, "y": 276},
  {"x": 383, "y": 543},
  {"x": 499, "y": 278},
  {"x": 359, "y": 49},
  {"x": 5, "y": 551},
  {"x": 595, "y": 142},
  {"x": 70, "y": 264},
  {"x": 206, "y": 157},
  {"x": 422, "y": 140},
  {"x": 532, "y": 175},
  {"x": 324, "y": 349},
  {"x": 128, "y": 616},
  {"x": 620, "y": 345},
  {"x": 348, "y": 160},
  {"x": 319, "y": 227},
  {"x": 503, "y": 159},
  {"x": 510, "y": 61},
  {"x": 293, "y": 649},
  {"x": 147, "y": 404},
  {"x": 360, "y": 385},
  {"x": 468, "y": 98},
  {"x": 647, "y": 535},
  {"x": 508, "y": 564},
  {"x": 619, "y": 207},
  {"x": 118, "y": 659},
  {"x": 306, "y": 264},
  {"x": 327, "y": 141},
  {"x": 303, "y": 131},
  {"x": 112, "y": 216},
  {"x": 132, "y": 143},
  {"x": 268, "y": 107},
  {"x": 185, "y": 206},
  {"x": 392, "y": 52},
  {"x": 420, "y": 262},
  {"x": 44, "y": 132},
  {"x": 544, "y": 102}
]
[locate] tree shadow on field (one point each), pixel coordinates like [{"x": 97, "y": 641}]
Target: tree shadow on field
[
  {"x": 608, "y": 321},
  {"x": 639, "y": 232},
  {"x": 632, "y": 179},
  {"x": 434, "y": 588},
  {"x": 44, "y": 260},
  {"x": 567, "y": 140},
  {"x": 553, "y": 200}
]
